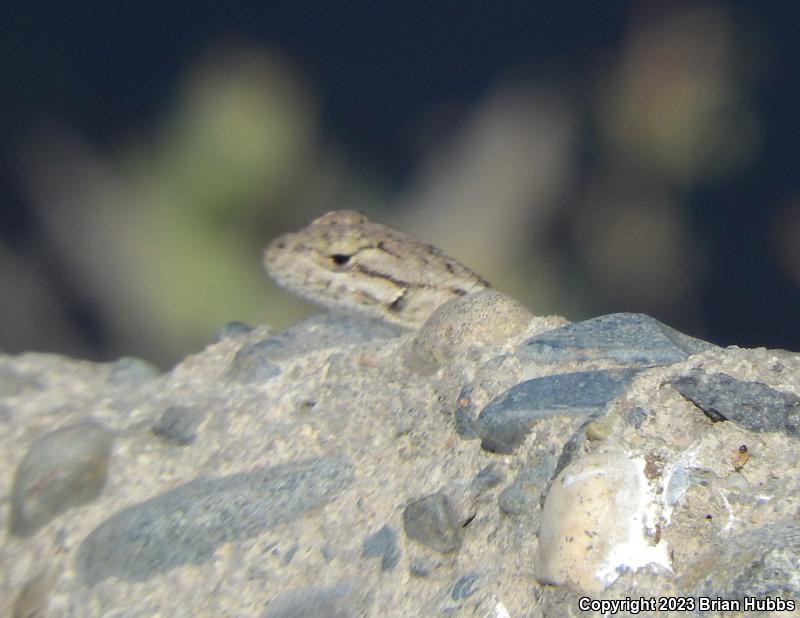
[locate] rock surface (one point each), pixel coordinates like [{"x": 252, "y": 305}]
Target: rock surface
[{"x": 345, "y": 468}]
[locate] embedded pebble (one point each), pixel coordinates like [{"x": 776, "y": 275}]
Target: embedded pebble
[
  {"x": 432, "y": 522},
  {"x": 522, "y": 496},
  {"x": 484, "y": 318},
  {"x": 490, "y": 476},
  {"x": 253, "y": 363},
  {"x": 753, "y": 405},
  {"x": 593, "y": 524},
  {"x": 629, "y": 338},
  {"x": 507, "y": 419},
  {"x": 314, "y": 602},
  {"x": 382, "y": 544},
  {"x": 465, "y": 587},
  {"x": 232, "y": 330},
  {"x": 465, "y": 415},
  {"x": 130, "y": 372},
  {"x": 179, "y": 424},
  {"x": 326, "y": 330},
  {"x": 186, "y": 524},
  {"x": 61, "y": 470}
]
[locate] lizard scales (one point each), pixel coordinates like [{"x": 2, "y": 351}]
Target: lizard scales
[{"x": 345, "y": 262}]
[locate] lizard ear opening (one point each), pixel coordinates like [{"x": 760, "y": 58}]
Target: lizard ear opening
[{"x": 340, "y": 259}]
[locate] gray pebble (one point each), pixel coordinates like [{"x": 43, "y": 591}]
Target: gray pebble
[
  {"x": 253, "y": 363},
  {"x": 483, "y": 318},
  {"x": 630, "y": 338},
  {"x": 289, "y": 555},
  {"x": 186, "y": 524},
  {"x": 507, "y": 419},
  {"x": 61, "y": 470},
  {"x": 523, "y": 495},
  {"x": 232, "y": 329},
  {"x": 383, "y": 544},
  {"x": 465, "y": 587},
  {"x": 636, "y": 416},
  {"x": 490, "y": 476},
  {"x": 130, "y": 372},
  {"x": 465, "y": 415},
  {"x": 313, "y": 602},
  {"x": 752, "y": 405},
  {"x": 431, "y": 521},
  {"x": 179, "y": 425},
  {"x": 327, "y": 330}
]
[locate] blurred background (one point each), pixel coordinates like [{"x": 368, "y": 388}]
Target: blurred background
[{"x": 585, "y": 158}]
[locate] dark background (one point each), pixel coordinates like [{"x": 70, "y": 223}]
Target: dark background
[{"x": 378, "y": 72}]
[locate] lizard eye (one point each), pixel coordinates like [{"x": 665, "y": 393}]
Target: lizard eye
[{"x": 339, "y": 259}]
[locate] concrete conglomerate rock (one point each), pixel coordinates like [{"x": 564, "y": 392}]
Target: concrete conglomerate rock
[{"x": 331, "y": 470}]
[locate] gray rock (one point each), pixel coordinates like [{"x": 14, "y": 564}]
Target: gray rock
[
  {"x": 383, "y": 544},
  {"x": 465, "y": 415},
  {"x": 629, "y": 338},
  {"x": 63, "y": 469},
  {"x": 483, "y": 318},
  {"x": 508, "y": 418},
  {"x": 253, "y": 363},
  {"x": 179, "y": 425},
  {"x": 753, "y": 405},
  {"x": 523, "y": 495},
  {"x": 758, "y": 563},
  {"x": 465, "y": 587},
  {"x": 431, "y": 521},
  {"x": 326, "y": 330},
  {"x": 186, "y": 524},
  {"x": 313, "y": 602},
  {"x": 130, "y": 372},
  {"x": 232, "y": 329},
  {"x": 490, "y": 476}
]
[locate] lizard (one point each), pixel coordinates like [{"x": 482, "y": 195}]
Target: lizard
[{"x": 346, "y": 262}]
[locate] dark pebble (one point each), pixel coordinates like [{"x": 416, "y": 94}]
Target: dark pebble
[
  {"x": 752, "y": 405},
  {"x": 630, "y": 338},
  {"x": 253, "y": 363},
  {"x": 465, "y": 415},
  {"x": 524, "y": 493},
  {"x": 490, "y": 476},
  {"x": 431, "y": 521},
  {"x": 508, "y": 418},
  {"x": 187, "y": 524},
  {"x": 179, "y": 425},
  {"x": 63, "y": 469},
  {"x": 232, "y": 329},
  {"x": 326, "y": 330},
  {"x": 312, "y": 602},
  {"x": 465, "y": 587},
  {"x": 383, "y": 544}
]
